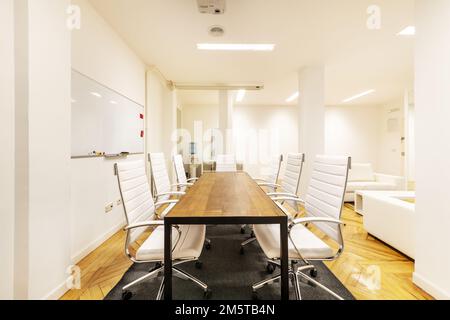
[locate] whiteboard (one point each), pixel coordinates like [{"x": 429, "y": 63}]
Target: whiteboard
[{"x": 103, "y": 120}]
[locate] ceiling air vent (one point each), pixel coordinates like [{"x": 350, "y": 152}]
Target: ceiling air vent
[{"x": 211, "y": 6}]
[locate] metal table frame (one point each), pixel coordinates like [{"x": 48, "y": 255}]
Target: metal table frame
[{"x": 282, "y": 221}]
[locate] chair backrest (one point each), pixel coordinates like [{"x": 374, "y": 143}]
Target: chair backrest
[
  {"x": 325, "y": 195},
  {"x": 293, "y": 172},
  {"x": 275, "y": 168},
  {"x": 226, "y": 163},
  {"x": 135, "y": 193},
  {"x": 178, "y": 164},
  {"x": 160, "y": 175}
]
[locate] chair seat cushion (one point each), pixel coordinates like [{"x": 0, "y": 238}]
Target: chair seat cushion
[
  {"x": 309, "y": 245},
  {"x": 370, "y": 185},
  {"x": 188, "y": 247}
]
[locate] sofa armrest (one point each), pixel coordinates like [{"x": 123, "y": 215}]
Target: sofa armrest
[{"x": 399, "y": 182}]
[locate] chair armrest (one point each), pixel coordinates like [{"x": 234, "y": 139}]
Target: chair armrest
[
  {"x": 289, "y": 199},
  {"x": 192, "y": 179},
  {"x": 399, "y": 182},
  {"x": 177, "y": 185},
  {"x": 161, "y": 203},
  {"x": 171, "y": 193},
  {"x": 266, "y": 184},
  {"x": 309, "y": 220},
  {"x": 282, "y": 194},
  {"x": 154, "y": 223}
]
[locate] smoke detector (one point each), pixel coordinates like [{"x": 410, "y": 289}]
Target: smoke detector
[
  {"x": 211, "y": 6},
  {"x": 216, "y": 31}
]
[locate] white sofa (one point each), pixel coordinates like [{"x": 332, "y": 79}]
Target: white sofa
[
  {"x": 391, "y": 218},
  {"x": 362, "y": 178}
]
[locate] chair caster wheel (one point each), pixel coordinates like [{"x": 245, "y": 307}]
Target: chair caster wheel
[
  {"x": 208, "y": 246},
  {"x": 242, "y": 251},
  {"x": 199, "y": 264},
  {"x": 313, "y": 273},
  {"x": 252, "y": 235},
  {"x": 270, "y": 268},
  {"x": 207, "y": 294},
  {"x": 255, "y": 295},
  {"x": 243, "y": 230},
  {"x": 127, "y": 295}
]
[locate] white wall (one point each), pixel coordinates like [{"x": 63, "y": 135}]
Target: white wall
[
  {"x": 156, "y": 91},
  {"x": 275, "y": 129},
  {"x": 261, "y": 132},
  {"x": 363, "y": 133},
  {"x": 207, "y": 116},
  {"x": 7, "y": 142},
  {"x": 353, "y": 131},
  {"x": 432, "y": 148},
  {"x": 98, "y": 52},
  {"x": 161, "y": 118},
  {"x": 390, "y": 159}
]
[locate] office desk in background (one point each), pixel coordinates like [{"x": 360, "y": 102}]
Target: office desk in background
[{"x": 226, "y": 198}]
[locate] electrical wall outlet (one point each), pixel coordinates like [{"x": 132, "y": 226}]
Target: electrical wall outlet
[
  {"x": 109, "y": 208},
  {"x": 119, "y": 202}
]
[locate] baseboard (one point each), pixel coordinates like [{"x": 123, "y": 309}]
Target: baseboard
[
  {"x": 430, "y": 288},
  {"x": 61, "y": 289},
  {"x": 56, "y": 293},
  {"x": 96, "y": 243}
]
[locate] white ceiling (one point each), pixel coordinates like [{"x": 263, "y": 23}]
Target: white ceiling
[{"x": 334, "y": 32}]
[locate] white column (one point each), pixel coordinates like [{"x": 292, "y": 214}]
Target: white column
[
  {"x": 42, "y": 149},
  {"x": 312, "y": 118},
  {"x": 226, "y": 109},
  {"x": 7, "y": 142},
  {"x": 432, "y": 218},
  {"x": 169, "y": 130}
]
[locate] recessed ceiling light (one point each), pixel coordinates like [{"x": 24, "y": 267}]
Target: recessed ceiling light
[
  {"x": 293, "y": 97},
  {"x": 408, "y": 31},
  {"x": 241, "y": 95},
  {"x": 216, "y": 31},
  {"x": 96, "y": 94},
  {"x": 113, "y": 102},
  {"x": 235, "y": 47},
  {"x": 362, "y": 94}
]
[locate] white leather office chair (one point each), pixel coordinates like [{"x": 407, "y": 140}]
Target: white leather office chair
[
  {"x": 226, "y": 163},
  {"x": 160, "y": 176},
  {"x": 274, "y": 173},
  {"x": 291, "y": 179},
  {"x": 178, "y": 164},
  {"x": 323, "y": 205},
  {"x": 185, "y": 183},
  {"x": 140, "y": 214},
  {"x": 271, "y": 178},
  {"x": 289, "y": 185}
]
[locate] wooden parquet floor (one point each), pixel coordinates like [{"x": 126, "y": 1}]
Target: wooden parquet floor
[{"x": 370, "y": 269}]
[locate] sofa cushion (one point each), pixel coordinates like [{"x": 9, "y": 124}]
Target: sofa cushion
[
  {"x": 370, "y": 185},
  {"x": 361, "y": 172}
]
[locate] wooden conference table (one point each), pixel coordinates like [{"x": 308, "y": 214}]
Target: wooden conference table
[{"x": 225, "y": 198}]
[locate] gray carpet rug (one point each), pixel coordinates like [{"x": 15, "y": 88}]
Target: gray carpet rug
[{"x": 229, "y": 274}]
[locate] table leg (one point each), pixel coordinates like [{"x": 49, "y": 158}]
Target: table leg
[
  {"x": 167, "y": 261},
  {"x": 284, "y": 261}
]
